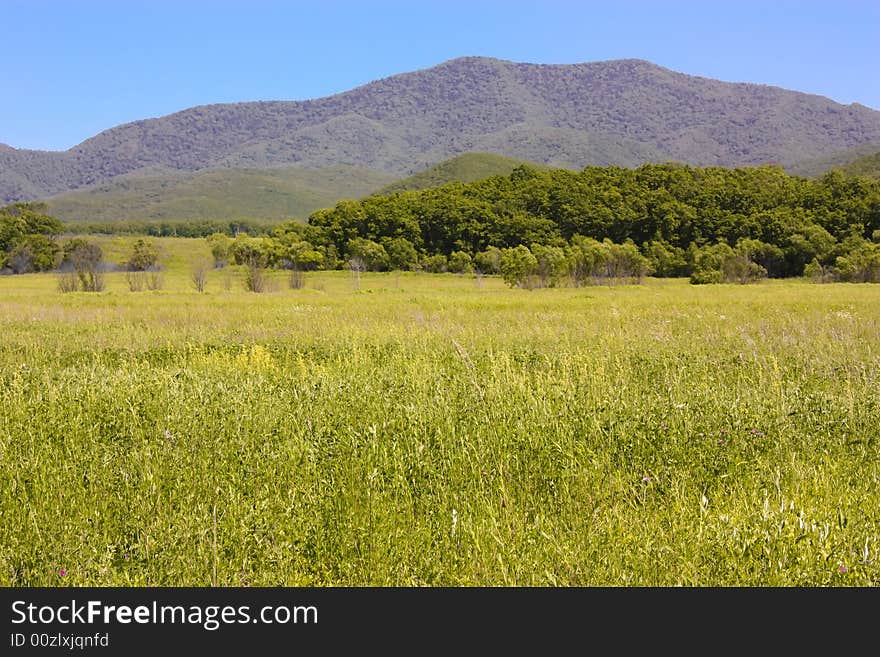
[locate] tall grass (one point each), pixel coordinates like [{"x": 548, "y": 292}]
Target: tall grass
[{"x": 428, "y": 431}]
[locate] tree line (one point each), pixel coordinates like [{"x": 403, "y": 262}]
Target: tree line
[
  {"x": 550, "y": 227},
  {"x": 711, "y": 224}
]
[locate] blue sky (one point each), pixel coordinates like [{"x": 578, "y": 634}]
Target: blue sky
[{"x": 69, "y": 69}]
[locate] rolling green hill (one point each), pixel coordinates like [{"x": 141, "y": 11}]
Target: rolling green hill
[
  {"x": 466, "y": 168},
  {"x": 814, "y": 167},
  {"x": 869, "y": 165},
  {"x": 269, "y": 194}
]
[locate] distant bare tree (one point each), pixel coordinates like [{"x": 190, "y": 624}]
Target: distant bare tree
[
  {"x": 255, "y": 276},
  {"x": 155, "y": 280},
  {"x": 136, "y": 280},
  {"x": 297, "y": 279},
  {"x": 68, "y": 281},
  {"x": 199, "y": 275},
  {"x": 356, "y": 265},
  {"x": 86, "y": 259}
]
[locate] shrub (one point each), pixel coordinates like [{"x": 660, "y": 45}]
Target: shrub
[
  {"x": 136, "y": 280},
  {"x": 665, "y": 260},
  {"x": 33, "y": 253},
  {"x": 249, "y": 251},
  {"x": 255, "y": 279},
  {"x": 87, "y": 261},
  {"x": 402, "y": 253},
  {"x": 199, "y": 275},
  {"x": 372, "y": 254},
  {"x": 436, "y": 264},
  {"x": 144, "y": 256},
  {"x": 552, "y": 264},
  {"x": 220, "y": 245},
  {"x": 68, "y": 281},
  {"x": 297, "y": 279},
  {"x": 460, "y": 262},
  {"x": 517, "y": 266},
  {"x": 590, "y": 261},
  {"x": 488, "y": 261},
  {"x": 740, "y": 269},
  {"x": 860, "y": 265},
  {"x": 817, "y": 273},
  {"x": 719, "y": 263}
]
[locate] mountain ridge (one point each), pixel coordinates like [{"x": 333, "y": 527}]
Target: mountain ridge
[{"x": 624, "y": 112}]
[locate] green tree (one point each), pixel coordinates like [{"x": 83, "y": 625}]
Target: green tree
[
  {"x": 402, "y": 253},
  {"x": 33, "y": 253},
  {"x": 518, "y": 265},
  {"x": 551, "y": 263},
  {"x": 371, "y": 253},
  {"x": 220, "y": 246},
  {"x": 144, "y": 256}
]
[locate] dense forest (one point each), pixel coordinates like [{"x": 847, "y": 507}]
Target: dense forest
[
  {"x": 549, "y": 227},
  {"x": 713, "y": 224}
]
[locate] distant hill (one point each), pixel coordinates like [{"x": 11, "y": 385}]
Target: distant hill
[
  {"x": 466, "y": 168},
  {"x": 869, "y": 165},
  {"x": 813, "y": 167},
  {"x": 286, "y": 193},
  {"x": 624, "y": 112},
  {"x": 263, "y": 194}
]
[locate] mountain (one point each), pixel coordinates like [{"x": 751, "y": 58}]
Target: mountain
[
  {"x": 282, "y": 193},
  {"x": 465, "y": 168},
  {"x": 623, "y": 112}
]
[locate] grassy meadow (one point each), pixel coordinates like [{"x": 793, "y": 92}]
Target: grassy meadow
[{"x": 416, "y": 429}]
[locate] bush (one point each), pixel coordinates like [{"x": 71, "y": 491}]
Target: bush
[
  {"x": 436, "y": 264},
  {"x": 33, "y": 253},
  {"x": 590, "y": 261},
  {"x": 860, "y": 265},
  {"x": 769, "y": 258},
  {"x": 150, "y": 279},
  {"x": 220, "y": 245},
  {"x": 199, "y": 275},
  {"x": 488, "y": 261},
  {"x": 136, "y": 280},
  {"x": 249, "y": 251},
  {"x": 665, "y": 260},
  {"x": 371, "y": 254},
  {"x": 68, "y": 281},
  {"x": 740, "y": 269},
  {"x": 719, "y": 263},
  {"x": 707, "y": 276},
  {"x": 552, "y": 264},
  {"x": 402, "y": 253},
  {"x": 460, "y": 262},
  {"x": 817, "y": 273},
  {"x": 302, "y": 256},
  {"x": 86, "y": 258},
  {"x": 297, "y": 279},
  {"x": 255, "y": 278},
  {"x": 144, "y": 257},
  {"x": 517, "y": 266}
]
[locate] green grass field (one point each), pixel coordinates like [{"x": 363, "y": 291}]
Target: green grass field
[{"x": 438, "y": 430}]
